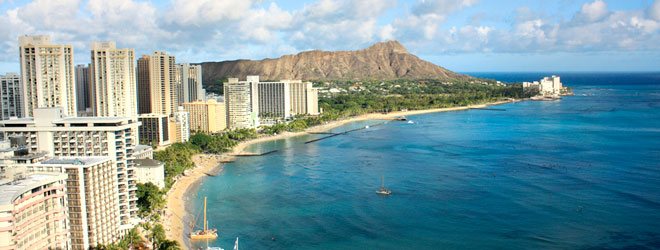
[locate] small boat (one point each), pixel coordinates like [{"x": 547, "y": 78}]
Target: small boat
[
  {"x": 411, "y": 122},
  {"x": 366, "y": 126},
  {"x": 205, "y": 233},
  {"x": 382, "y": 189},
  {"x": 236, "y": 244}
]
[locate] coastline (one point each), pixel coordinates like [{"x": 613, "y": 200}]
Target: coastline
[
  {"x": 177, "y": 198},
  {"x": 177, "y": 204}
]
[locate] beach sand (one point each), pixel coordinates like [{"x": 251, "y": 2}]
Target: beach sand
[{"x": 175, "y": 212}]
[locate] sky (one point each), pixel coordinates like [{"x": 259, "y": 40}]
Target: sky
[{"x": 461, "y": 35}]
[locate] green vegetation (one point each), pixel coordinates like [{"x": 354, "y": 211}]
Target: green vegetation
[
  {"x": 215, "y": 86},
  {"x": 131, "y": 239},
  {"x": 150, "y": 198}
]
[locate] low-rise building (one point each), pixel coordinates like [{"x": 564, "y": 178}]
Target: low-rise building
[
  {"x": 33, "y": 211},
  {"x": 143, "y": 152},
  {"x": 148, "y": 170}
]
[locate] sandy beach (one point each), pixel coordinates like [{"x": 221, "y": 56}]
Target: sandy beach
[{"x": 177, "y": 198}]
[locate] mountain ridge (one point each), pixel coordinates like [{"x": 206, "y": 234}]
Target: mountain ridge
[{"x": 383, "y": 61}]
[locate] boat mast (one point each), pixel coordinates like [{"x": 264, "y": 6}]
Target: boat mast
[
  {"x": 383, "y": 181},
  {"x": 205, "y": 214}
]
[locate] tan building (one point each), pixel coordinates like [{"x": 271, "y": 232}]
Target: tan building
[
  {"x": 113, "y": 73},
  {"x": 304, "y": 98},
  {"x": 115, "y": 137},
  {"x": 157, "y": 84},
  {"x": 33, "y": 212},
  {"x": 207, "y": 116},
  {"x": 149, "y": 170},
  {"x": 47, "y": 75},
  {"x": 93, "y": 203}
]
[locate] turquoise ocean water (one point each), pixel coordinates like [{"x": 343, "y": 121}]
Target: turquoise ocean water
[{"x": 579, "y": 173}]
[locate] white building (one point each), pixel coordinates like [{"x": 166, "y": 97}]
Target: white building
[
  {"x": 143, "y": 152},
  {"x": 116, "y": 137},
  {"x": 47, "y": 75},
  {"x": 33, "y": 212},
  {"x": 113, "y": 73},
  {"x": 304, "y": 98},
  {"x": 180, "y": 126},
  {"x": 241, "y": 102},
  {"x": 149, "y": 170},
  {"x": 11, "y": 96},
  {"x": 548, "y": 86},
  {"x": 190, "y": 77}
]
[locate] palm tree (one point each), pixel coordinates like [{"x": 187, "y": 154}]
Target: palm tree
[
  {"x": 169, "y": 245},
  {"x": 133, "y": 238}
]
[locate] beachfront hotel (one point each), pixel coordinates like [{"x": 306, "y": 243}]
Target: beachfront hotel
[
  {"x": 548, "y": 86},
  {"x": 113, "y": 75},
  {"x": 241, "y": 102},
  {"x": 49, "y": 133},
  {"x": 11, "y": 96},
  {"x": 33, "y": 211},
  {"x": 274, "y": 100},
  {"x": 304, "y": 98},
  {"x": 93, "y": 203},
  {"x": 207, "y": 116},
  {"x": 47, "y": 75}
]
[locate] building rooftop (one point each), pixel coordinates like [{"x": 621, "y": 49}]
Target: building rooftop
[
  {"x": 10, "y": 189},
  {"x": 77, "y": 160},
  {"x": 146, "y": 163},
  {"x": 141, "y": 147}
]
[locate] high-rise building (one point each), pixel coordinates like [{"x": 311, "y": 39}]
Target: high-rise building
[
  {"x": 11, "y": 96},
  {"x": 113, "y": 73},
  {"x": 155, "y": 129},
  {"x": 93, "y": 204},
  {"x": 47, "y": 75},
  {"x": 274, "y": 100},
  {"x": 84, "y": 94},
  {"x": 180, "y": 125},
  {"x": 49, "y": 132},
  {"x": 207, "y": 116},
  {"x": 33, "y": 212},
  {"x": 191, "y": 83},
  {"x": 242, "y": 102},
  {"x": 157, "y": 84},
  {"x": 304, "y": 98}
]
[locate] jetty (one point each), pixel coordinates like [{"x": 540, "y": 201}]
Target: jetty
[
  {"x": 245, "y": 154},
  {"x": 343, "y": 133},
  {"x": 491, "y": 109}
]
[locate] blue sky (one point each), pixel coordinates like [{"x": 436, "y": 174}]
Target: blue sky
[{"x": 461, "y": 35}]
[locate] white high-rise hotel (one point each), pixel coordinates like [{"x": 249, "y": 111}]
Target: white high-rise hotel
[
  {"x": 47, "y": 75},
  {"x": 113, "y": 76}
]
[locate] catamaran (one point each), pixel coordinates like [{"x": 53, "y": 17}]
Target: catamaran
[
  {"x": 382, "y": 189},
  {"x": 205, "y": 233}
]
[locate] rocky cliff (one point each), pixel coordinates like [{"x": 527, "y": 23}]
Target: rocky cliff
[{"x": 387, "y": 60}]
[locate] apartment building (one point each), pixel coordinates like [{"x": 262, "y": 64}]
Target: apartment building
[
  {"x": 113, "y": 73},
  {"x": 47, "y": 75},
  {"x": 149, "y": 170},
  {"x": 180, "y": 125},
  {"x": 207, "y": 116},
  {"x": 157, "y": 84},
  {"x": 48, "y": 132},
  {"x": 11, "y": 96},
  {"x": 34, "y": 212},
  {"x": 274, "y": 100}
]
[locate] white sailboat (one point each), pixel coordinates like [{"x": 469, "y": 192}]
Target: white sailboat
[{"x": 383, "y": 190}]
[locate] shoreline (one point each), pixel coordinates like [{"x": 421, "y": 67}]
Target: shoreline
[
  {"x": 176, "y": 211},
  {"x": 177, "y": 205}
]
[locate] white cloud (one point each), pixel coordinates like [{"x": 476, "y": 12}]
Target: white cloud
[
  {"x": 654, "y": 10},
  {"x": 594, "y": 11}
]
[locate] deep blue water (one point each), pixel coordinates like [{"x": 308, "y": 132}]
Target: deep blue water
[{"x": 583, "y": 172}]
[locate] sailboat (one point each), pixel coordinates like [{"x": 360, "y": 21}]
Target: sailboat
[
  {"x": 206, "y": 233},
  {"x": 382, "y": 189}
]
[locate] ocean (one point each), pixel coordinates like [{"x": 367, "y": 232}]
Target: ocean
[{"x": 579, "y": 173}]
